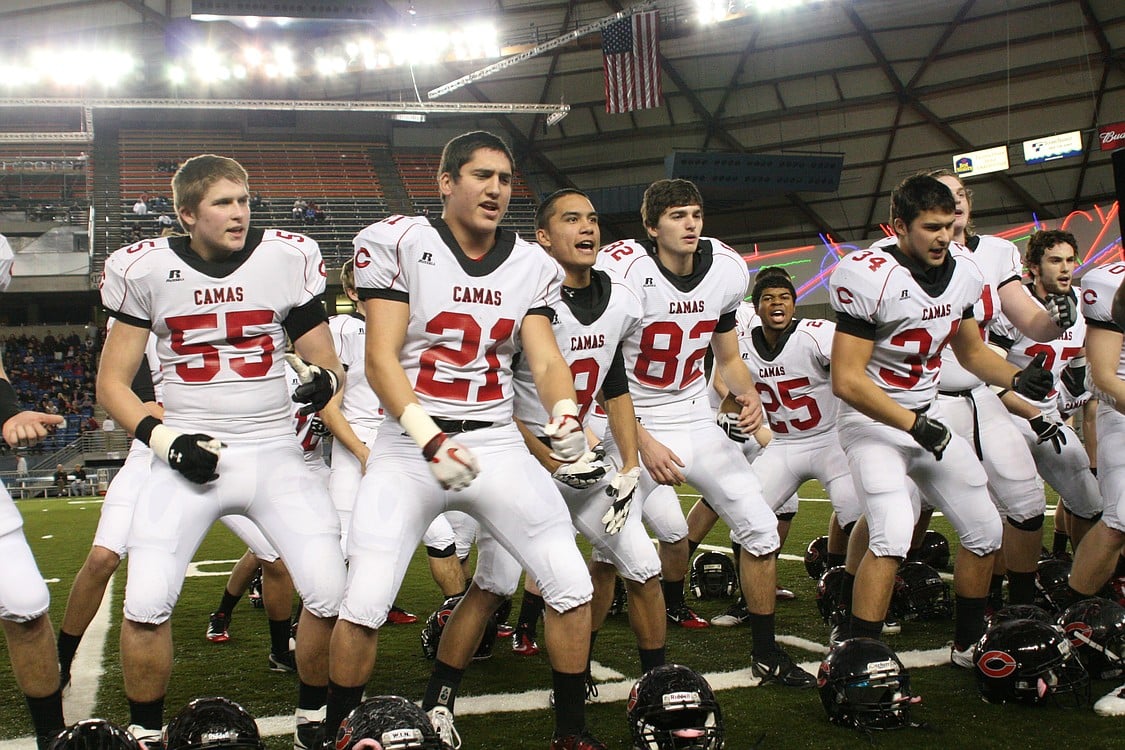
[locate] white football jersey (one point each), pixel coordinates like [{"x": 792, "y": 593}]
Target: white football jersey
[
  {"x": 1098, "y": 287},
  {"x": 361, "y": 406},
  {"x": 793, "y": 380},
  {"x": 465, "y": 315},
  {"x": 665, "y": 361},
  {"x": 1022, "y": 349},
  {"x": 999, "y": 263},
  {"x": 589, "y": 325},
  {"x": 219, "y": 326},
  {"x": 910, "y": 322}
]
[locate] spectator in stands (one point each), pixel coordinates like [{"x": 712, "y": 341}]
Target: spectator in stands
[
  {"x": 60, "y": 480},
  {"x": 164, "y": 222},
  {"x": 256, "y": 201},
  {"x": 136, "y": 234},
  {"x": 21, "y": 467},
  {"x": 140, "y": 208},
  {"x": 80, "y": 487},
  {"x": 299, "y": 207}
]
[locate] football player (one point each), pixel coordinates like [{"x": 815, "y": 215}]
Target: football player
[
  {"x": 973, "y": 411},
  {"x": 590, "y": 324},
  {"x": 1059, "y": 456},
  {"x": 691, "y": 287},
  {"x": 455, "y": 298},
  {"x": 220, "y": 301},
  {"x": 897, "y": 308},
  {"x": 23, "y": 594},
  {"x": 354, "y": 418}
]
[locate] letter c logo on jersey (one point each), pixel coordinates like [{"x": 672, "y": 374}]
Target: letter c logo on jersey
[
  {"x": 996, "y": 664},
  {"x": 1089, "y": 296},
  {"x": 844, "y": 296},
  {"x": 323, "y": 271},
  {"x": 362, "y": 258}
]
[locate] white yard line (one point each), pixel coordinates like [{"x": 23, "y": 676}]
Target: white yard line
[{"x": 87, "y": 670}]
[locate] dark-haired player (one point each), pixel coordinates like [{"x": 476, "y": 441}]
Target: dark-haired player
[
  {"x": 897, "y": 308},
  {"x": 691, "y": 286},
  {"x": 455, "y": 298}
]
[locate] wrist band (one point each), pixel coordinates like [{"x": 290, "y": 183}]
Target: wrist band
[
  {"x": 9, "y": 403},
  {"x": 144, "y": 429}
]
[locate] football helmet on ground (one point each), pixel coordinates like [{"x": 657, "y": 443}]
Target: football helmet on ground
[
  {"x": 816, "y": 557},
  {"x": 94, "y": 734},
  {"x": 1096, "y": 629},
  {"x": 673, "y": 708},
  {"x": 388, "y": 722},
  {"x": 864, "y": 685},
  {"x": 212, "y": 724},
  {"x": 1027, "y": 661},
  {"x": 713, "y": 576}
]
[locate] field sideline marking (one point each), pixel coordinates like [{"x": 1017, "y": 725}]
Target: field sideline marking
[{"x": 88, "y": 667}]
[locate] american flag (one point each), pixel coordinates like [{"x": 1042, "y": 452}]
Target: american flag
[{"x": 630, "y": 51}]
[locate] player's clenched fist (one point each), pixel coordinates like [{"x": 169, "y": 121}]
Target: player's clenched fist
[
  {"x": 451, "y": 463},
  {"x": 1062, "y": 310},
  {"x": 930, "y": 434},
  {"x": 318, "y": 385},
  {"x": 195, "y": 455},
  {"x": 29, "y": 427},
  {"x": 568, "y": 440},
  {"x": 1034, "y": 381}
]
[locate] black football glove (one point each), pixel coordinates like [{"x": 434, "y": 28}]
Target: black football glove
[
  {"x": 930, "y": 434},
  {"x": 1048, "y": 430},
  {"x": 729, "y": 422},
  {"x": 195, "y": 456},
  {"x": 1074, "y": 376},
  {"x": 1062, "y": 310},
  {"x": 318, "y": 385},
  {"x": 1033, "y": 381}
]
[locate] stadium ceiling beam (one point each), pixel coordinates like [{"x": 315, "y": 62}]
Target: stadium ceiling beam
[
  {"x": 1030, "y": 203},
  {"x": 732, "y": 82},
  {"x": 550, "y": 77},
  {"x": 1090, "y": 146},
  {"x": 146, "y": 13},
  {"x": 329, "y": 105},
  {"x": 537, "y": 50}
]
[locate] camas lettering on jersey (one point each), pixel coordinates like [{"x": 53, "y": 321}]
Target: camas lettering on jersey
[
  {"x": 477, "y": 295},
  {"x": 589, "y": 341},
  {"x": 220, "y": 294},
  {"x": 936, "y": 312},
  {"x": 686, "y": 307},
  {"x": 771, "y": 372}
]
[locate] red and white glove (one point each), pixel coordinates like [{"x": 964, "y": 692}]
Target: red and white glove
[
  {"x": 452, "y": 464},
  {"x": 568, "y": 439}
]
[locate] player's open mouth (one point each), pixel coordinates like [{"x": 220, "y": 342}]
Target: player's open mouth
[
  {"x": 585, "y": 245},
  {"x": 491, "y": 208},
  {"x": 778, "y": 314}
]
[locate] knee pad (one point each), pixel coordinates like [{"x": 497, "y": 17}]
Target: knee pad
[
  {"x": 1089, "y": 519},
  {"x": 786, "y": 516},
  {"x": 1032, "y": 524},
  {"x": 448, "y": 551},
  {"x": 848, "y": 528}
]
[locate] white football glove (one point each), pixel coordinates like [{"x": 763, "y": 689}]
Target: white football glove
[
  {"x": 452, "y": 464},
  {"x": 621, "y": 489},
  {"x": 568, "y": 439},
  {"x": 583, "y": 473},
  {"x": 729, "y": 422}
]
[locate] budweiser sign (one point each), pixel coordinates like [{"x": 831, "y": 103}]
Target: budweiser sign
[{"x": 1112, "y": 136}]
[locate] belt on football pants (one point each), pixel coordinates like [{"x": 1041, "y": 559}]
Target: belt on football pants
[
  {"x": 453, "y": 426},
  {"x": 968, "y": 396}
]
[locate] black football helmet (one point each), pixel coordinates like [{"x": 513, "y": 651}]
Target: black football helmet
[
  {"x": 713, "y": 576},
  {"x": 828, "y": 593},
  {"x": 388, "y": 722},
  {"x": 920, "y": 594},
  {"x": 1114, "y": 590},
  {"x": 435, "y": 624},
  {"x": 1052, "y": 584},
  {"x": 1027, "y": 661},
  {"x": 816, "y": 557},
  {"x": 212, "y": 724},
  {"x": 94, "y": 734},
  {"x": 673, "y": 708},
  {"x": 1020, "y": 612},
  {"x": 1096, "y": 629},
  {"x": 863, "y": 685},
  {"x": 934, "y": 550}
]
